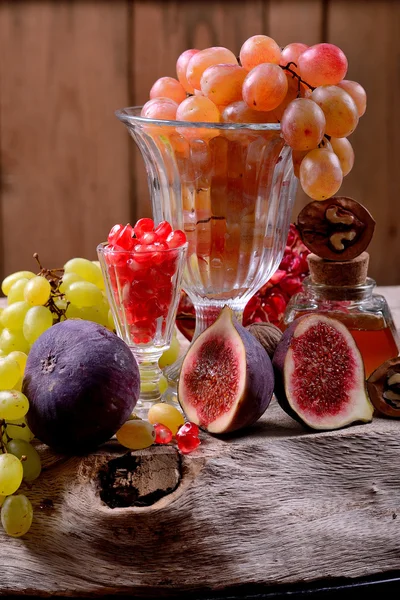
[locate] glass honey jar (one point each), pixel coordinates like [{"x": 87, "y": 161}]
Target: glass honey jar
[{"x": 343, "y": 291}]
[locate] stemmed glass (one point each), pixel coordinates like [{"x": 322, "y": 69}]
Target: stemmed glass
[
  {"x": 230, "y": 187},
  {"x": 143, "y": 289}
]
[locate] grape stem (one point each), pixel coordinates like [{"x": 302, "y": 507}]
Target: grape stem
[
  {"x": 3, "y": 429},
  {"x": 296, "y": 75},
  {"x": 54, "y": 277}
]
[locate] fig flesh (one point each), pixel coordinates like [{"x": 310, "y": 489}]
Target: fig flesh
[
  {"x": 319, "y": 374},
  {"x": 227, "y": 380}
]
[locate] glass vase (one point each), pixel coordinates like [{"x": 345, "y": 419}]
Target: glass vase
[{"x": 230, "y": 187}]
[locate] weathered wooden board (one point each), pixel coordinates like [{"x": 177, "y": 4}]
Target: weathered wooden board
[{"x": 274, "y": 505}]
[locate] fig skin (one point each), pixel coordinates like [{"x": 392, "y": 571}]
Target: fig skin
[
  {"x": 361, "y": 407},
  {"x": 258, "y": 380},
  {"x": 82, "y": 383}
]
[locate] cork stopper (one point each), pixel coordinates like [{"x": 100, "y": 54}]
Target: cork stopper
[{"x": 345, "y": 273}]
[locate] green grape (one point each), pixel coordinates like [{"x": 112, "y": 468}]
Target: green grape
[
  {"x": 170, "y": 356},
  {"x": 13, "y": 340},
  {"x": 31, "y": 466},
  {"x": 10, "y": 373},
  {"x": 61, "y": 303},
  {"x": 83, "y": 293},
  {"x": 110, "y": 319},
  {"x": 18, "y": 385},
  {"x": 167, "y": 415},
  {"x": 97, "y": 314},
  {"x": 16, "y": 515},
  {"x": 20, "y": 358},
  {"x": 10, "y": 474},
  {"x": 163, "y": 384},
  {"x": 17, "y": 429},
  {"x": 13, "y": 405},
  {"x": 37, "y": 291},
  {"x": 16, "y": 293},
  {"x": 85, "y": 268},
  {"x": 9, "y": 281},
  {"x": 68, "y": 279},
  {"x": 13, "y": 315},
  {"x": 38, "y": 319},
  {"x": 136, "y": 434}
]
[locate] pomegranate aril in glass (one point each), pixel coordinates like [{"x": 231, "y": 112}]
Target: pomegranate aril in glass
[{"x": 143, "y": 280}]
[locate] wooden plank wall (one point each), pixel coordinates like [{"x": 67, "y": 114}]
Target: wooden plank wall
[{"x": 68, "y": 168}]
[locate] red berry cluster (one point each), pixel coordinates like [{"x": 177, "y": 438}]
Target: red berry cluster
[
  {"x": 270, "y": 302},
  {"x": 141, "y": 264},
  {"x": 187, "y": 436}
]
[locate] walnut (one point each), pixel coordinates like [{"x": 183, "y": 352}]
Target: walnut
[{"x": 267, "y": 334}]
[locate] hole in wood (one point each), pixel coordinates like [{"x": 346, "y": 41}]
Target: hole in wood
[{"x": 137, "y": 479}]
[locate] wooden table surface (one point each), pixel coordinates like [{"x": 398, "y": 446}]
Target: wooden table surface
[{"x": 273, "y": 507}]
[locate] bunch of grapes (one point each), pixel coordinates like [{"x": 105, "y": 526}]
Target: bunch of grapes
[
  {"x": 36, "y": 302},
  {"x": 301, "y": 87},
  {"x": 19, "y": 460}
]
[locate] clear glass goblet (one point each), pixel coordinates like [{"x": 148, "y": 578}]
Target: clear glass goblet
[
  {"x": 143, "y": 289},
  {"x": 230, "y": 187}
]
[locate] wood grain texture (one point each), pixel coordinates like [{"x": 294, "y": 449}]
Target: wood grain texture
[
  {"x": 274, "y": 505},
  {"x": 368, "y": 34},
  {"x": 66, "y": 179}
]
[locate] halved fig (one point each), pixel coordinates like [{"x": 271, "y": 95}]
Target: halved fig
[
  {"x": 384, "y": 388},
  {"x": 338, "y": 228},
  {"x": 227, "y": 380},
  {"x": 319, "y": 374}
]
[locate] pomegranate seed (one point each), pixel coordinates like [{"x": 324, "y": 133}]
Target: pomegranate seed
[
  {"x": 176, "y": 238},
  {"x": 163, "y": 434},
  {"x": 189, "y": 429},
  {"x": 148, "y": 238},
  {"x": 187, "y": 443},
  {"x": 163, "y": 230},
  {"x": 143, "y": 226},
  {"x": 114, "y": 233},
  {"x": 121, "y": 235}
]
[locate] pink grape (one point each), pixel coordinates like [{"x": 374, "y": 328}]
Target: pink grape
[
  {"x": 160, "y": 108},
  {"x": 297, "y": 158},
  {"x": 339, "y": 108},
  {"x": 345, "y": 153},
  {"x": 303, "y": 124},
  {"x": 357, "y": 92},
  {"x": 291, "y": 53},
  {"x": 322, "y": 64},
  {"x": 168, "y": 87},
  {"x": 181, "y": 68},
  {"x": 292, "y": 93},
  {"x": 320, "y": 174},
  {"x": 239, "y": 112},
  {"x": 259, "y": 49},
  {"x": 265, "y": 87},
  {"x": 198, "y": 109},
  {"x": 223, "y": 83},
  {"x": 217, "y": 55}
]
